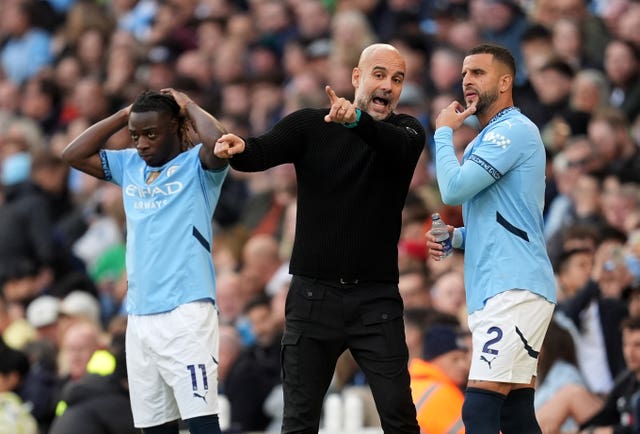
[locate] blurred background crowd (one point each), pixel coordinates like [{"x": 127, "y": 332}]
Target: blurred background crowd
[{"x": 65, "y": 64}]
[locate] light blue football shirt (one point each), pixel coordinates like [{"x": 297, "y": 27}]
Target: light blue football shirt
[
  {"x": 169, "y": 228},
  {"x": 500, "y": 185}
]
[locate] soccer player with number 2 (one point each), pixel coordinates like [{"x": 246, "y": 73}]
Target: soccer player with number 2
[{"x": 508, "y": 276}]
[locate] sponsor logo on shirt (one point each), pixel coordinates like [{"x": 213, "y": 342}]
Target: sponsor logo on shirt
[{"x": 152, "y": 197}]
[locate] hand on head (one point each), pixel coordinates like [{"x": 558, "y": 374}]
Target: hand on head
[
  {"x": 342, "y": 110},
  {"x": 181, "y": 98},
  {"x": 454, "y": 115}
]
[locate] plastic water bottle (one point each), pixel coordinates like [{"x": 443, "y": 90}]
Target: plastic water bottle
[
  {"x": 333, "y": 414},
  {"x": 441, "y": 233},
  {"x": 353, "y": 411},
  {"x": 224, "y": 412}
]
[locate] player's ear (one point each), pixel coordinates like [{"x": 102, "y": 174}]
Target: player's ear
[
  {"x": 506, "y": 82},
  {"x": 355, "y": 77}
]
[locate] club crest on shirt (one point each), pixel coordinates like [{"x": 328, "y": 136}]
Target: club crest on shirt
[
  {"x": 171, "y": 170},
  {"x": 496, "y": 139}
]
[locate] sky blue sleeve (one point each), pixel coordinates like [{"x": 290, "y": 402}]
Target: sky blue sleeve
[
  {"x": 113, "y": 164},
  {"x": 457, "y": 183},
  {"x": 459, "y": 238},
  {"x": 501, "y": 146}
]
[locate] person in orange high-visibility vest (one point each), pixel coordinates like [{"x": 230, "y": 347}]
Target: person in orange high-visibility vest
[{"x": 436, "y": 379}]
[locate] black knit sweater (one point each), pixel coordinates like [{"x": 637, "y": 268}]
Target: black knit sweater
[{"x": 352, "y": 184}]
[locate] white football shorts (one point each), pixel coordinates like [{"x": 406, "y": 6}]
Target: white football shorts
[
  {"x": 507, "y": 335},
  {"x": 172, "y": 364}
]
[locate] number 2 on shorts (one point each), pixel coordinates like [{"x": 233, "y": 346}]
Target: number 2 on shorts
[{"x": 498, "y": 336}]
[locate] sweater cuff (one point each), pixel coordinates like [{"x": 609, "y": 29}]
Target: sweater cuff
[{"x": 354, "y": 123}]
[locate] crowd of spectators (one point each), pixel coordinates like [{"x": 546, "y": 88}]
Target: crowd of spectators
[{"x": 64, "y": 64}]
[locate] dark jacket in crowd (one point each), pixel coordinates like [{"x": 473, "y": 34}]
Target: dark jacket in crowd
[
  {"x": 611, "y": 312},
  {"x": 620, "y": 409},
  {"x": 251, "y": 379},
  {"x": 96, "y": 404}
]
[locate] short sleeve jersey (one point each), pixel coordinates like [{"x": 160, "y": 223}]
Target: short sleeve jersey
[{"x": 169, "y": 228}]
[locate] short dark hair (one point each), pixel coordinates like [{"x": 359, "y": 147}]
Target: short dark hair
[
  {"x": 560, "y": 66},
  {"x": 13, "y": 361},
  {"x": 499, "y": 53},
  {"x": 536, "y": 32},
  {"x": 581, "y": 231},
  {"x": 631, "y": 323},
  {"x": 563, "y": 261}
]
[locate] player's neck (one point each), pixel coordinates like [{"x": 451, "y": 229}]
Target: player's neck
[{"x": 485, "y": 117}]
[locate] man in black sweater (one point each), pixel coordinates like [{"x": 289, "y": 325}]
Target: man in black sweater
[{"x": 353, "y": 166}]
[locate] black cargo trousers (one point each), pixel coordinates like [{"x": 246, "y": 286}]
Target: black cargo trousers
[{"x": 323, "y": 319}]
